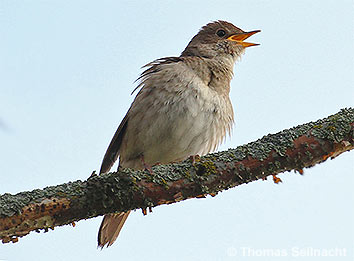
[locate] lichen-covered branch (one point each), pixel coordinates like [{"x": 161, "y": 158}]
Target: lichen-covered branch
[{"x": 292, "y": 149}]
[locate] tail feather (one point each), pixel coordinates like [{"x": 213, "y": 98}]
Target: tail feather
[{"x": 110, "y": 228}]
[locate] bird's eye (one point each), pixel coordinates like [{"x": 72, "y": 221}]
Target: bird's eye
[{"x": 221, "y": 33}]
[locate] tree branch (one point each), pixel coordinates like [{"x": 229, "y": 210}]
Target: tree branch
[{"x": 292, "y": 149}]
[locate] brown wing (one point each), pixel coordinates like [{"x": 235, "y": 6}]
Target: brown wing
[{"x": 112, "y": 152}]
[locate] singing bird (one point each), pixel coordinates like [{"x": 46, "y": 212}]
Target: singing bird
[{"x": 182, "y": 108}]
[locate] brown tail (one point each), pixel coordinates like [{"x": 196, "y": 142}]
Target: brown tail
[{"x": 110, "y": 228}]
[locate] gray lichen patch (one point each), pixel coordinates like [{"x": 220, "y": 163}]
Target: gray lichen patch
[
  {"x": 13, "y": 204},
  {"x": 334, "y": 127}
]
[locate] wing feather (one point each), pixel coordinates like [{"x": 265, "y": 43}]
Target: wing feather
[{"x": 112, "y": 152}]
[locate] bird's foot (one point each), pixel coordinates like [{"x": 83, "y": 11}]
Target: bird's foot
[{"x": 194, "y": 159}]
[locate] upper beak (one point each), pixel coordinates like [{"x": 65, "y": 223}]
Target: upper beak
[{"x": 243, "y": 36}]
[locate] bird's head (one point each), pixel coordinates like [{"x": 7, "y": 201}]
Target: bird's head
[{"x": 219, "y": 39}]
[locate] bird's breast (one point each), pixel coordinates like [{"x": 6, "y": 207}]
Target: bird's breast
[{"x": 176, "y": 118}]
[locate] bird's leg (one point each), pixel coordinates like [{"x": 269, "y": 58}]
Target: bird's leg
[{"x": 146, "y": 166}]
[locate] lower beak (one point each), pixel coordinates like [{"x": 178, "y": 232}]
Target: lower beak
[{"x": 239, "y": 38}]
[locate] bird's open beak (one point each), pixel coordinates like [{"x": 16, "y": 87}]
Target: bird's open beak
[{"x": 239, "y": 38}]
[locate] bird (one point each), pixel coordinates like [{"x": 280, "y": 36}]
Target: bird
[{"x": 182, "y": 109}]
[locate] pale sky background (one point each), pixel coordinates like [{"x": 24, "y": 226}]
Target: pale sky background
[{"x": 66, "y": 73}]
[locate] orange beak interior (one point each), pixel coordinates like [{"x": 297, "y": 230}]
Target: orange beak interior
[{"x": 239, "y": 38}]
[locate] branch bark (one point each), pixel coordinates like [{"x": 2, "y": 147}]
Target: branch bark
[{"x": 292, "y": 149}]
